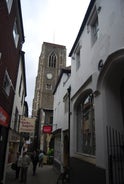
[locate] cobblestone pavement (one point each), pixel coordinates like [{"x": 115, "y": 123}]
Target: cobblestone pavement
[{"x": 44, "y": 175}]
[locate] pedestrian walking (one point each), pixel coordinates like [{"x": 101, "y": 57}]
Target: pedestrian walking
[
  {"x": 35, "y": 160},
  {"x": 25, "y": 162},
  {"x": 41, "y": 154},
  {"x": 18, "y": 164}
]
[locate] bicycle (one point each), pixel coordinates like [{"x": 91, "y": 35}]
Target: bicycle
[{"x": 63, "y": 178}]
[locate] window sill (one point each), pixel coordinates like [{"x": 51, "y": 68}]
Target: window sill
[{"x": 87, "y": 158}]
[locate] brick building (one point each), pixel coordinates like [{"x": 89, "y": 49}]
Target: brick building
[{"x": 11, "y": 40}]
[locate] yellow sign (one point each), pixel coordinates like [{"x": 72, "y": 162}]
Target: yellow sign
[{"x": 27, "y": 125}]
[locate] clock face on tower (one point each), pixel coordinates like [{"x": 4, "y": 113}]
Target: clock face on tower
[{"x": 49, "y": 75}]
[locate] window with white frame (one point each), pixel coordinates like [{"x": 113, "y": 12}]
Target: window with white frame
[
  {"x": 65, "y": 100},
  {"x": 77, "y": 58},
  {"x": 86, "y": 125},
  {"x": 95, "y": 29},
  {"x": 9, "y": 4},
  {"x": 7, "y": 83},
  {"x": 15, "y": 34},
  {"x": 93, "y": 24}
]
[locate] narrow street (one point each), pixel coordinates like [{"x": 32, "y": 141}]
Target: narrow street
[{"x": 44, "y": 175}]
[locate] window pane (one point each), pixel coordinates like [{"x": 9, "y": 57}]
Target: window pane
[
  {"x": 15, "y": 34},
  {"x": 86, "y": 126},
  {"x": 52, "y": 60},
  {"x": 6, "y": 84}
]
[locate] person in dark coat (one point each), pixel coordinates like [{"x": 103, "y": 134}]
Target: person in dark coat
[
  {"x": 35, "y": 161},
  {"x": 18, "y": 165}
]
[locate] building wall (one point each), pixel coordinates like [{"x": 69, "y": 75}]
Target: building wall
[
  {"x": 60, "y": 117},
  {"x": 19, "y": 98},
  {"x": 10, "y": 53},
  {"x": 110, "y": 39},
  {"x": 43, "y": 97},
  {"x": 60, "y": 121},
  {"x": 51, "y": 60},
  {"x": 106, "y": 85},
  {"x": 17, "y": 112}
]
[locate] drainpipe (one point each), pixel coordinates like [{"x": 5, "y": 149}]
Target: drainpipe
[{"x": 69, "y": 113}]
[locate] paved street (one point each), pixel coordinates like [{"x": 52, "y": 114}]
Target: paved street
[{"x": 44, "y": 175}]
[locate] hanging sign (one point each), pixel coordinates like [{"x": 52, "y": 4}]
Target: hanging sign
[
  {"x": 27, "y": 124},
  {"x": 47, "y": 129}
]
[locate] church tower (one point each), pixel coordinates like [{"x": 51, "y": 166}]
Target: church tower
[{"x": 51, "y": 60}]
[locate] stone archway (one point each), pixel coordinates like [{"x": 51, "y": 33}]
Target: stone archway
[
  {"x": 111, "y": 85},
  {"x": 110, "y": 81}
]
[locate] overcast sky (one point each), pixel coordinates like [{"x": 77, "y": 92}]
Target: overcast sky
[{"x": 54, "y": 21}]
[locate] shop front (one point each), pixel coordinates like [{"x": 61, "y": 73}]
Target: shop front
[{"x": 4, "y": 128}]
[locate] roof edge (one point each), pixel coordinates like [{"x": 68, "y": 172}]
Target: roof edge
[{"x": 91, "y": 4}]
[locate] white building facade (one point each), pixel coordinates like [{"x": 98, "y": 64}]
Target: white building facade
[
  {"x": 97, "y": 95},
  {"x": 60, "y": 120}
]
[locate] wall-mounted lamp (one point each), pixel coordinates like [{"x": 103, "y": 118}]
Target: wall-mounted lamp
[{"x": 100, "y": 65}]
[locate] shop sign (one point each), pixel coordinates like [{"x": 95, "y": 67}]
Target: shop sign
[
  {"x": 4, "y": 117},
  {"x": 47, "y": 129},
  {"x": 27, "y": 124}
]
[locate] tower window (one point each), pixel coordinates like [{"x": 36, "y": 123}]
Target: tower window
[
  {"x": 49, "y": 86},
  {"x": 52, "y": 60}
]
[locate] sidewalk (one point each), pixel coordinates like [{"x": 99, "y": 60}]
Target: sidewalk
[{"x": 44, "y": 175}]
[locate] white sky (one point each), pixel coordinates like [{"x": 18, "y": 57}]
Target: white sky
[{"x": 54, "y": 21}]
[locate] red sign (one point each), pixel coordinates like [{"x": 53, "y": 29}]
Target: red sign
[
  {"x": 47, "y": 129},
  {"x": 4, "y": 117}
]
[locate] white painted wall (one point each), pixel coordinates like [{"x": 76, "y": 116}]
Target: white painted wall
[
  {"x": 17, "y": 98},
  {"x": 59, "y": 116},
  {"x": 111, "y": 39}
]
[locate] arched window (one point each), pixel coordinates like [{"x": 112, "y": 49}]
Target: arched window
[
  {"x": 52, "y": 60},
  {"x": 86, "y": 125}
]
